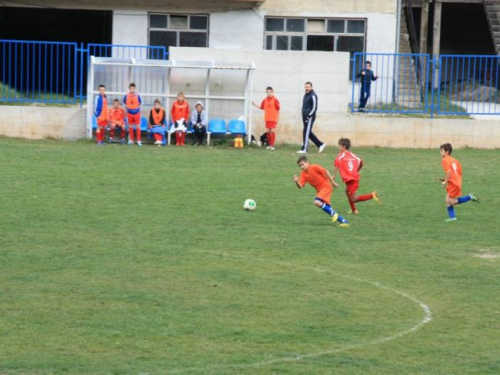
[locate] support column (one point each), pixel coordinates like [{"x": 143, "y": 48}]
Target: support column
[
  {"x": 436, "y": 40},
  {"x": 424, "y": 28}
]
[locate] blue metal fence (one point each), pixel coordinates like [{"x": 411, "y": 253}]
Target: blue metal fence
[
  {"x": 56, "y": 72},
  {"x": 417, "y": 83}
]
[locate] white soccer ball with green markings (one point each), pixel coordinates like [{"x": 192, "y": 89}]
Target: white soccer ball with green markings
[{"x": 249, "y": 205}]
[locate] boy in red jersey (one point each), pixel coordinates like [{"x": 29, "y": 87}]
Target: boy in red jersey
[
  {"x": 349, "y": 165},
  {"x": 319, "y": 178},
  {"x": 101, "y": 114},
  {"x": 116, "y": 120},
  {"x": 133, "y": 103},
  {"x": 453, "y": 181},
  {"x": 157, "y": 123},
  {"x": 180, "y": 116},
  {"x": 271, "y": 107}
]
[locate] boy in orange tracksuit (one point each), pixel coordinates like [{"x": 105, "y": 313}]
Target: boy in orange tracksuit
[
  {"x": 180, "y": 113},
  {"x": 271, "y": 107},
  {"x": 116, "y": 120},
  {"x": 157, "y": 119},
  {"x": 453, "y": 181},
  {"x": 101, "y": 114},
  {"x": 319, "y": 178},
  {"x": 349, "y": 165},
  {"x": 133, "y": 102}
]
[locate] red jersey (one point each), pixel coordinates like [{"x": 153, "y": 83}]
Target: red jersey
[
  {"x": 117, "y": 115},
  {"x": 180, "y": 110},
  {"x": 271, "y": 107},
  {"x": 452, "y": 165},
  {"x": 316, "y": 176},
  {"x": 348, "y": 165}
]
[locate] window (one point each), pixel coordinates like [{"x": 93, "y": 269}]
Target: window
[
  {"x": 315, "y": 34},
  {"x": 173, "y": 30}
]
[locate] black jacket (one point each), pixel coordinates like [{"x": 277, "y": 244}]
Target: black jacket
[
  {"x": 366, "y": 80},
  {"x": 310, "y": 104}
]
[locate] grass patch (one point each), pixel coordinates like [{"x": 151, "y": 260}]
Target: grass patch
[{"x": 141, "y": 260}]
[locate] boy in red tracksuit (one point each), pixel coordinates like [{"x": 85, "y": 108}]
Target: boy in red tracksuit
[
  {"x": 133, "y": 103},
  {"x": 157, "y": 118},
  {"x": 101, "y": 114},
  {"x": 180, "y": 111},
  {"x": 271, "y": 107},
  {"x": 349, "y": 166},
  {"x": 116, "y": 120}
]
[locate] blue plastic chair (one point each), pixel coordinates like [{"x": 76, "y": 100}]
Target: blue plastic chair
[
  {"x": 216, "y": 126},
  {"x": 144, "y": 124},
  {"x": 94, "y": 123},
  {"x": 237, "y": 127}
]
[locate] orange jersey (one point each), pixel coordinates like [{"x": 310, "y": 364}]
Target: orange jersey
[
  {"x": 180, "y": 110},
  {"x": 348, "y": 165},
  {"x": 452, "y": 166},
  {"x": 117, "y": 115},
  {"x": 271, "y": 107},
  {"x": 316, "y": 177}
]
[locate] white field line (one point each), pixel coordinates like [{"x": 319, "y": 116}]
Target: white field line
[{"x": 425, "y": 308}]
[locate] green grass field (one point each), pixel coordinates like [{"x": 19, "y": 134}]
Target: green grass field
[{"x": 127, "y": 260}]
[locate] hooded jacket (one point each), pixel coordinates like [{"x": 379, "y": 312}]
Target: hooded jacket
[{"x": 194, "y": 115}]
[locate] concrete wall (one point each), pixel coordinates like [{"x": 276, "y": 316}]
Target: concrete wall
[
  {"x": 130, "y": 27},
  {"x": 287, "y": 72},
  {"x": 34, "y": 122}
]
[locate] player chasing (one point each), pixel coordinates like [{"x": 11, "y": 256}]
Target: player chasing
[
  {"x": 452, "y": 182},
  {"x": 349, "y": 165},
  {"x": 319, "y": 178},
  {"x": 271, "y": 107}
]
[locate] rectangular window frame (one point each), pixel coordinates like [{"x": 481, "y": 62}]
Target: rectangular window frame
[{"x": 179, "y": 31}]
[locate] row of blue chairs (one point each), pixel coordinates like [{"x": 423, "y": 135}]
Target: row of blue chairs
[{"x": 215, "y": 126}]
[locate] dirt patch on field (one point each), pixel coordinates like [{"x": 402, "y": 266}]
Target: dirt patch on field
[{"x": 487, "y": 254}]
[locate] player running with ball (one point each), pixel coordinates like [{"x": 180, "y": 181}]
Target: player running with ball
[{"x": 319, "y": 178}]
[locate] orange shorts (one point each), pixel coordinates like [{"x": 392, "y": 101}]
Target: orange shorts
[
  {"x": 351, "y": 187},
  {"x": 134, "y": 119},
  {"x": 454, "y": 191},
  {"x": 325, "y": 194},
  {"x": 271, "y": 124}
]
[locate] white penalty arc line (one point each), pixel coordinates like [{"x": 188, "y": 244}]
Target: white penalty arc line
[{"x": 424, "y": 307}]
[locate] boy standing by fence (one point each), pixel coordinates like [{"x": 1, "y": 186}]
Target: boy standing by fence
[
  {"x": 367, "y": 76},
  {"x": 101, "y": 114},
  {"x": 271, "y": 107},
  {"x": 133, "y": 103},
  {"x": 116, "y": 120}
]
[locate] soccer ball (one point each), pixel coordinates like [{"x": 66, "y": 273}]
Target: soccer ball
[{"x": 249, "y": 205}]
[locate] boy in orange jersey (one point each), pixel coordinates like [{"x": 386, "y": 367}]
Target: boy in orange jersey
[
  {"x": 349, "y": 165},
  {"x": 101, "y": 114},
  {"x": 271, "y": 107},
  {"x": 133, "y": 101},
  {"x": 116, "y": 120},
  {"x": 180, "y": 116},
  {"x": 452, "y": 181},
  {"x": 157, "y": 123},
  {"x": 319, "y": 178}
]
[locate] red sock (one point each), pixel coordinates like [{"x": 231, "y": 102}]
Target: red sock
[
  {"x": 365, "y": 197},
  {"x": 112, "y": 133},
  {"x": 273, "y": 138},
  {"x": 177, "y": 138},
  {"x": 123, "y": 133},
  {"x": 353, "y": 205},
  {"x": 131, "y": 134},
  {"x": 138, "y": 133},
  {"x": 158, "y": 137},
  {"x": 183, "y": 138},
  {"x": 98, "y": 134}
]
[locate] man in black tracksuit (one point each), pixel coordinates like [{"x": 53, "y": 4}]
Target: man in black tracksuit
[{"x": 309, "y": 109}]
